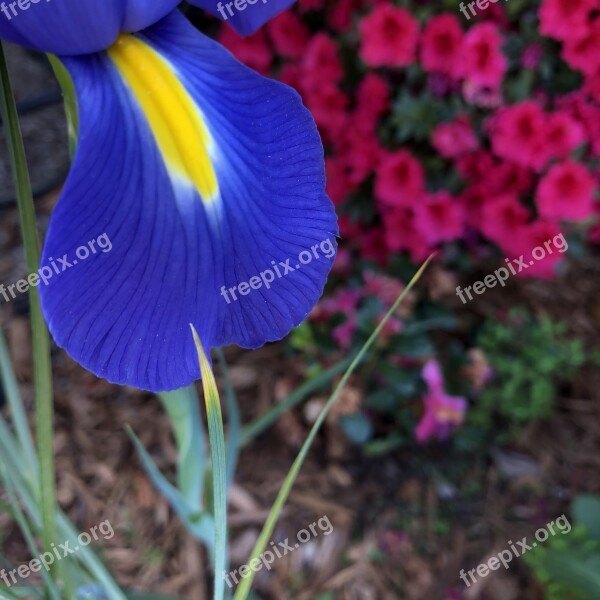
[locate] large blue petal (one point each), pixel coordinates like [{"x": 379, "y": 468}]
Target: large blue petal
[
  {"x": 70, "y": 27},
  {"x": 252, "y": 15},
  {"x": 124, "y": 314}
]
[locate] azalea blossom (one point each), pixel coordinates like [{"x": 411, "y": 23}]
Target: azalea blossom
[{"x": 443, "y": 413}]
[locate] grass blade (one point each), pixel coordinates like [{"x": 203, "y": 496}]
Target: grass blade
[
  {"x": 44, "y": 409},
  {"x": 267, "y": 531},
  {"x": 219, "y": 465}
]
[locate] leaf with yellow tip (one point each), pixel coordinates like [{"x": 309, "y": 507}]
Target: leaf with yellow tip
[{"x": 219, "y": 463}]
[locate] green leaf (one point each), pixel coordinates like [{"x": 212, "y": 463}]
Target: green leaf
[
  {"x": 219, "y": 465},
  {"x": 42, "y": 371},
  {"x": 586, "y": 512},
  {"x": 581, "y": 575},
  {"x": 357, "y": 427},
  {"x": 183, "y": 409}
]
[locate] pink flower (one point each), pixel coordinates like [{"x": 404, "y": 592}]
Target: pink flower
[
  {"x": 484, "y": 62},
  {"x": 389, "y": 37},
  {"x": 455, "y": 138},
  {"x": 443, "y": 413},
  {"x": 565, "y": 19},
  {"x": 372, "y": 246},
  {"x": 566, "y": 192},
  {"x": 509, "y": 178},
  {"x": 343, "y": 334},
  {"x": 328, "y": 107},
  {"x": 400, "y": 180},
  {"x": 583, "y": 51},
  {"x": 537, "y": 235},
  {"x": 344, "y": 301},
  {"x": 253, "y": 51},
  {"x": 341, "y": 12},
  {"x": 473, "y": 199},
  {"x": 400, "y": 234},
  {"x": 586, "y": 113},
  {"x": 372, "y": 101},
  {"x": 359, "y": 152},
  {"x": 439, "y": 218},
  {"x": 564, "y": 135},
  {"x": 320, "y": 62},
  {"x": 502, "y": 219},
  {"x": 291, "y": 75},
  {"x": 475, "y": 166},
  {"x": 519, "y": 133},
  {"x": 442, "y": 46},
  {"x": 289, "y": 34}
]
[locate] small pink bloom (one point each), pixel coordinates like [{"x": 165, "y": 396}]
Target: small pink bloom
[
  {"x": 510, "y": 178},
  {"x": 344, "y": 301},
  {"x": 578, "y": 105},
  {"x": 565, "y": 19},
  {"x": 533, "y": 236},
  {"x": 372, "y": 246},
  {"x": 484, "y": 61},
  {"x": 475, "y": 166},
  {"x": 502, "y": 218},
  {"x": 582, "y": 52},
  {"x": 519, "y": 133},
  {"x": 442, "y": 46},
  {"x": 343, "y": 334},
  {"x": 400, "y": 234},
  {"x": 564, "y": 135},
  {"x": 439, "y": 218},
  {"x": 566, "y": 192},
  {"x": 341, "y": 13},
  {"x": 320, "y": 62},
  {"x": 328, "y": 107},
  {"x": 372, "y": 101},
  {"x": 443, "y": 413},
  {"x": 473, "y": 198},
  {"x": 289, "y": 34},
  {"x": 400, "y": 179},
  {"x": 455, "y": 138},
  {"x": 389, "y": 37},
  {"x": 359, "y": 152}
]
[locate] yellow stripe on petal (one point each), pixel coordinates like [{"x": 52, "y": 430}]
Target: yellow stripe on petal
[{"x": 172, "y": 115}]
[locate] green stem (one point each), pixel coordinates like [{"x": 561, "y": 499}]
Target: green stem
[
  {"x": 265, "y": 535},
  {"x": 44, "y": 413}
]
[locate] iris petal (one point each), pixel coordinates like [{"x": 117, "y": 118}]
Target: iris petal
[
  {"x": 125, "y": 314},
  {"x": 253, "y": 14},
  {"x": 71, "y": 27}
]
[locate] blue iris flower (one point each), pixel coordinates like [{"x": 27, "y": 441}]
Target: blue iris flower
[{"x": 207, "y": 178}]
